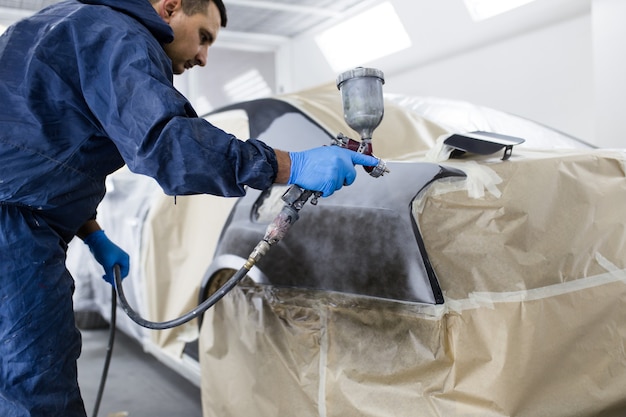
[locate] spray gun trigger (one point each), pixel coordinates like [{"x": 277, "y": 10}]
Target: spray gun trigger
[{"x": 348, "y": 143}]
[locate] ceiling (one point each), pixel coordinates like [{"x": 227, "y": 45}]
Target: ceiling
[
  {"x": 27, "y": 4},
  {"x": 264, "y": 25},
  {"x": 286, "y": 18},
  {"x": 253, "y": 25}
]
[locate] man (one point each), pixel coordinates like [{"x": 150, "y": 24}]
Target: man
[{"x": 86, "y": 87}]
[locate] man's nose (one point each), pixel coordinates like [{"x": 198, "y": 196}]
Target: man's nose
[{"x": 202, "y": 55}]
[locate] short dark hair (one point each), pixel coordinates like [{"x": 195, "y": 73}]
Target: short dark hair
[{"x": 191, "y": 7}]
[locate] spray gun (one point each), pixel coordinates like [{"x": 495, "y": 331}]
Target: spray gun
[{"x": 363, "y": 108}]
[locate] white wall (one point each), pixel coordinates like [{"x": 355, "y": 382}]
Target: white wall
[
  {"x": 203, "y": 85},
  {"x": 544, "y": 72},
  {"x": 544, "y": 75},
  {"x": 609, "y": 54}
]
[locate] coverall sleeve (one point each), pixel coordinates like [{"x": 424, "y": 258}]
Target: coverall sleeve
[{"x": 156, "y": 130}]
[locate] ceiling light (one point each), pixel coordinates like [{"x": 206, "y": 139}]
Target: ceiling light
[
  {"x": 484, "y": 9},
  {"x": 248, "y": 86},
  {"x": 373, "y": 34}
]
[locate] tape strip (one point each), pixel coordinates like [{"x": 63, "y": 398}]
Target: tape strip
[
  {"x": 488, "y": 299},
  {"x": 321, "y": 394}
]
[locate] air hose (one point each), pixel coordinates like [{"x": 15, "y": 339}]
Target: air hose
[
  {"x": 214, "y": 298},
  {"x": 295, "y": 198},
  {"x": 229, "y": 285},
  {"x": 200, "y": 309},
  {"x": 107, "y": 360}
]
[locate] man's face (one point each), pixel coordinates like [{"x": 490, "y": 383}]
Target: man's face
[{"x": 192, "y": 35}]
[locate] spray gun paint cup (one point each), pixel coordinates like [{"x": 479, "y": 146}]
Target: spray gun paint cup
[
  {"x": 363, "y": 109},
  {"x": 362, "y": 96}
]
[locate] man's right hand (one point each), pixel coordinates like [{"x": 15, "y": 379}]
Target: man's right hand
[{"x": 327, "y": 168}]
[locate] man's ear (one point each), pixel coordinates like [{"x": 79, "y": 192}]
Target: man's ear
[{"x": 168, "y": 7}]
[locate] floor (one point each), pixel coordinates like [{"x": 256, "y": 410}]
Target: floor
[{"x": 138, "y": 385}]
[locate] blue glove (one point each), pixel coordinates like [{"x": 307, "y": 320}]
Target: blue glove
[
  {"x": 107, "y": 254},
  {"x": 327, "y": 168}
]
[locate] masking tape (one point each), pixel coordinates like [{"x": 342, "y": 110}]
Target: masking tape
[{"x": 488, "y": 299}]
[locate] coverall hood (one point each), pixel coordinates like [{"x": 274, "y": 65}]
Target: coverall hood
[{"x": 143, "y": 11}]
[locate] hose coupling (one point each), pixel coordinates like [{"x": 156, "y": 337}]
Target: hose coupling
[{"x": 259, "y": 250}]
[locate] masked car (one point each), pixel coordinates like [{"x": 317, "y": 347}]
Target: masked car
[{"x": 456, "y": 284}]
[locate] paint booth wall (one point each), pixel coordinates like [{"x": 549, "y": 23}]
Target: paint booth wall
[{"x": 544, "y": 74}]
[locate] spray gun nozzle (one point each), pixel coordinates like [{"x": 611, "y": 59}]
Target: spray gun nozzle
[{"x": 379, "y": 170}]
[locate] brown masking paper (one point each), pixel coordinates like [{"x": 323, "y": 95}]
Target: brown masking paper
[
  {"x": 179, "y": 238},
  {"x": 533, "y": 324}
]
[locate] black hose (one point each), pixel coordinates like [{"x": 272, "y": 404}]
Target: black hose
[
  {"x": 259, "y": 251},
  {"x": 200, "y": 309},
  {"x": 208, "y": 303},
  {"x": 107, "y": 360},
  {"x": 295, "y": 197}
]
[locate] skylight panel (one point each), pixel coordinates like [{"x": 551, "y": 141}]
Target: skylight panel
[
  {"x": 373, "y": 34},
  {"x": 484, "y": 9}
]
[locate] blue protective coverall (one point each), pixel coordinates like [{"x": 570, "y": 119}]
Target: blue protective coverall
[{"x": 85, "y": 87}]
